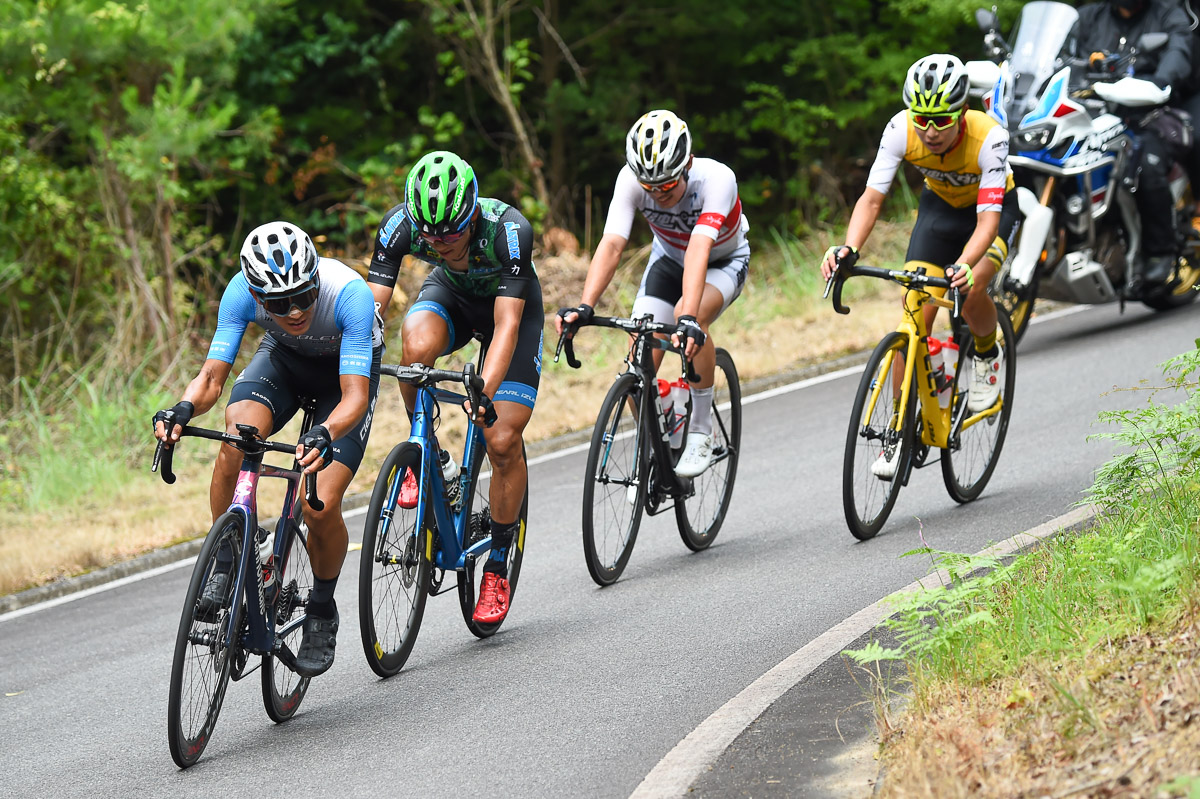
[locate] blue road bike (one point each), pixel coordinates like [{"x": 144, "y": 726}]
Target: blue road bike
[
  {"x": 262, "y": 610},
  {"x": 406, "y": 552}
]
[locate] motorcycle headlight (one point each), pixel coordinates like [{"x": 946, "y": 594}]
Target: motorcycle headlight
[{"x": 1034, "y": 138}]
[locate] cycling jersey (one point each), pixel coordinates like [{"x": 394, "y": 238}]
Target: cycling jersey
[
  {"x": 343, "y": 324},
  {"x": 975, "y": 170},
  {"x": 499, "y": 259},
  {"x": 711, "y": 207}
]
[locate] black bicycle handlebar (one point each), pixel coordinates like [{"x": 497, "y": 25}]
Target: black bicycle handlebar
[
  {"x": 916, "y": 279},
  {"x": 247, "y": 443},
  {"x": 424, "y": 376},
  {"x": 640, "y": 326}
]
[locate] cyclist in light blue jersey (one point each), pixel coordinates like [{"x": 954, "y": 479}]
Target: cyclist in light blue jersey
[{"x": 323, "y": 341}]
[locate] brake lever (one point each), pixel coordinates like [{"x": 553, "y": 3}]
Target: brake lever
[{"x": 162, "y": 462}]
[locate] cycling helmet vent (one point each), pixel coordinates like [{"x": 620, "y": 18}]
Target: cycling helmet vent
[
  {"x": 441, "y": 193},
  {"x": 658, "y": 147},
  {"x": 278, "y": 258},
  {"x": 936, "y": 84}
]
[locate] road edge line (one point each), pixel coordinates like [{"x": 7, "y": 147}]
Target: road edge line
[{"x": 679, "y": 769}]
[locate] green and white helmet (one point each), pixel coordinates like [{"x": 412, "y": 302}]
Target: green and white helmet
[
  {"x": 441, "y": 193},
  {"x": 936, "y": 84}
]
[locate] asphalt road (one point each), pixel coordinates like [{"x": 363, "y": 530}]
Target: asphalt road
[{"x": 585, "y": 689}]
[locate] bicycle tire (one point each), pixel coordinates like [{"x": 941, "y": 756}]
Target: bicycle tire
[
  {"x": 1018, "y": 304},
  {"x": 394, "y": 567},
  {"x": 700, "y": 514},
  {"x": 468, "y": 579},
  {"x": 283, "y": 689},
  {"x": 617, "y": 448},
  {"x": 200, "y": 658},
  {"x": 867, "y": 500},
  {"x": 970, "y": 460}
]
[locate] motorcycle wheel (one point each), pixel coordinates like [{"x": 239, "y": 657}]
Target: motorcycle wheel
[
  {"x": 1183, "y": 290},
  {"x": 1019, "y": 304}
]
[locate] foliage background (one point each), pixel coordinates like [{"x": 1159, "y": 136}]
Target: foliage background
[{"x": 140, "y": 141}]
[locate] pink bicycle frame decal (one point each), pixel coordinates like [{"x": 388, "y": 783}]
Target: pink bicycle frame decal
[{"x": 244, "y": 492}]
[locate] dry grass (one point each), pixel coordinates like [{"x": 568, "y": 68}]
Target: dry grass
[
  {"x": 1124, "y": 720},
  {"x": 765, "y": 331}
]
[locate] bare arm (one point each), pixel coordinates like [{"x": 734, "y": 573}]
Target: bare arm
[
  {"x": 356, "y": 393},
  {"x": 986, "y": 227},
  {"x": 203, "y": 392},
  {"x": 862, "y": 222},
  {"x": 695, "y": 268},
  {"x": 600, "y": 274}
]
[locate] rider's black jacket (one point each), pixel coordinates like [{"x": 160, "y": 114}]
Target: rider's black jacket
[{"x": 1100, "y": 29}]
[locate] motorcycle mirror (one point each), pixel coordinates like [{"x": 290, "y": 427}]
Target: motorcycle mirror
[
  {"x": 1149, "y": 42},
  {"x": 986, "y": 19}
]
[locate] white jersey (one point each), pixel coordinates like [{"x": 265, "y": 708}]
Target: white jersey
[{"x": 711, "y": 207}]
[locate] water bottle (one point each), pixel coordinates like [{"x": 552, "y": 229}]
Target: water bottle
[
  {"x": 266, "y": 556},
  {"x": 937, "y": 367},
  {"x": 680, "y": 394},
  {"x": 950, "y": 358},
  {"x": 450, "y": 475},
  {"x": 666, "y": 404}
]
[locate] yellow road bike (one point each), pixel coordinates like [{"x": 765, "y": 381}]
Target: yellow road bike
[{"x": 897, "y": 414}]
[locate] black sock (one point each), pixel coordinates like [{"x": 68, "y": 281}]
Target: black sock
[
  {"x": 320, "y": 601},
  {"x": 502, "y": 539}
]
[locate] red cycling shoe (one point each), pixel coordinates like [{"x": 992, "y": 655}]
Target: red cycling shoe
[
  {"x": 409, "y": 490},
  {"x": 492, "y": 606}
]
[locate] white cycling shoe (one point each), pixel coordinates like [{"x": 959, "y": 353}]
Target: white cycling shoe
[
  {"x": 884, "y": 467},
  {"x": 697, "y": 455},
  {"x": 986, "y": 381}
]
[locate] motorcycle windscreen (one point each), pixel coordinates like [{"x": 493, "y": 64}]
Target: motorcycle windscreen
[{"x": 1038, "y": 41}]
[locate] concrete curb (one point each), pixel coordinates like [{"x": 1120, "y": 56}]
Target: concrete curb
[{"x": 189, "y": 549}]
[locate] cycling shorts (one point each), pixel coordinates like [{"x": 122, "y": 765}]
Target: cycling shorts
[
  {"x": 662, "y": 283},
  {"x": 280, "y": 379},
  {"x": 942, "y": 230},
  {"x": 464, "y": 316}
]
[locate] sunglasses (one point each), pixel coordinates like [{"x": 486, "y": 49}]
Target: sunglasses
[
  {"x": 661, "y": 188},
  {"x": 301, "y": 300},
  {"x": 938, "y": 121},
  {"x": 448, "y": 238}
]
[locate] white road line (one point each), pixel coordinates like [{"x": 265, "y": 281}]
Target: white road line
[
  {"x": 562, "y": 453},
  {"x": 692, "y": 756},
  {"x": 62, "y": 600}
]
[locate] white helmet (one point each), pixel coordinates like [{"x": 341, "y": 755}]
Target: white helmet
[
  {"x": 936, "y": 84},
  {"x": 278, "y": 258},
  {"x": 658, "y": 147}
]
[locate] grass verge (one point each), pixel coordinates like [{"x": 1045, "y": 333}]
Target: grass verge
[{"x": 1074, "y": 669}]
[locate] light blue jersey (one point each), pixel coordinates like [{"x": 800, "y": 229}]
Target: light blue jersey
[{"x": 344, "y": 323}]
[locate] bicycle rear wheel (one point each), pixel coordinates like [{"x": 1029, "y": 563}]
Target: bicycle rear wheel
[
  {"x": 204, "y": 653},
  {"x": 283, "y": 689},
  {"x": 469, "y": 579},
  {"x": 866, "y": 499},
  {"x": 614, "y": 484},
  {"x": 968, "y": 463},
  {"x": 701, "y": 512},
  {"x": 394, "y": 567}
]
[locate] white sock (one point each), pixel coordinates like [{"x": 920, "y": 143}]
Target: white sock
[{"x": 701, "y": 421}]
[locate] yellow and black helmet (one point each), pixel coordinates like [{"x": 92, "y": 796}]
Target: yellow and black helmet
[{"x": 936, "y": 84}]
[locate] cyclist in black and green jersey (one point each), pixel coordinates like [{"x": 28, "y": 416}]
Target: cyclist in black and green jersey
[{"x": 484, "y": 282}]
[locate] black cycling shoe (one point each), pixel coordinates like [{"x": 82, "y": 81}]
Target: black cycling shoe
[
  {"x": 316, "y": 647},
  {"x": 1158, "y": 269},
  {"x": 213, "y": 597}
]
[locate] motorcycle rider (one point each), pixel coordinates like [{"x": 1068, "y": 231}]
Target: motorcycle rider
[{"x": 1111, "y": 26}]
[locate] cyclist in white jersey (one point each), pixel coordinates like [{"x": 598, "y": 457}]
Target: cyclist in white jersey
[
  {"x": 323, "y": 341},
  {"x": 698, "y": 261}
]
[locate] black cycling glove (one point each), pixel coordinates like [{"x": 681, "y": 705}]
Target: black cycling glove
[
  {"x": 849, "y": 259},
  {"x": 318, "y": 438},
  {"x": 585, "y": 311},
  {"x": 689, "y": 328},
  {"x": 489, "y": 410},
  {"x": 180, "y": 415}
]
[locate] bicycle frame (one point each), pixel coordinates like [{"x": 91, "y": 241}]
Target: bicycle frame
[{"x": 939, "y": 426}]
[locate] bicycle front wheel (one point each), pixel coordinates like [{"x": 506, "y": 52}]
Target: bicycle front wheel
[
  {"x": 205, "y": 646},
  {"x": 614, "y": 483},
  {"x": 394, "y": 567},
  {"x": 701, "y": 511},
  {"x": 974, "y": 450},
  {"x": 479, "y": 528},
  {"x": 284, "y": 689},
  {"x": 877, "y": 432}
]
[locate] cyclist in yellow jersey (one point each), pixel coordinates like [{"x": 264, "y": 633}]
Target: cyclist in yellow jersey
[{"x": 967, "y": 217}]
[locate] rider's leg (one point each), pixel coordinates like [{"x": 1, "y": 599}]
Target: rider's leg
[
  {"x": 425, "y": 337},
  {"x": 506, "y": 452},
  {"x": 1157, "y": 211}
]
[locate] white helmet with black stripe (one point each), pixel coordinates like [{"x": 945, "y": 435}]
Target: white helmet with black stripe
[
  {"x": 278, "y": 258},
  {"x": 658, "y": 147},
  {"x": 936, "y": 84}
]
